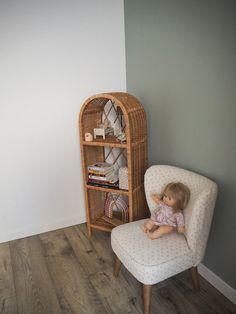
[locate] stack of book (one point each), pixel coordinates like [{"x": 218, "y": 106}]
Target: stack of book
[{"x": 102, "y": 173}]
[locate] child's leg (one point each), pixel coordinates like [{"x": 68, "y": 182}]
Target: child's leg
[
  {"x": 148, "y": 225},
  {"x": 160, "y": 232}
]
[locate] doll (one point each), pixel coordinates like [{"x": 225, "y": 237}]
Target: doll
[{"x": 168, "y": 215}]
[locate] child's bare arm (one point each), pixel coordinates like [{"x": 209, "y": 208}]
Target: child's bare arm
[
  {"x": 181, "y": 229},
  {"x": 155, "y": 198}
]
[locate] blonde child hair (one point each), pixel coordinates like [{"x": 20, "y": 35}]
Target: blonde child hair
[{"x": 180, "y": 192}]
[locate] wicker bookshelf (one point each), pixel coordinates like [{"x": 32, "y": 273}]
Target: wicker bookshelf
[{"x": 129, "y": 113}]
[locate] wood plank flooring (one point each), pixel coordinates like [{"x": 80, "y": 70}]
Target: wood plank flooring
[{"x": 66, "y": 271}]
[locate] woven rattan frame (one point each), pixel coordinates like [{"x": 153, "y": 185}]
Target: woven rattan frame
[{"x": 94, "y": 151}]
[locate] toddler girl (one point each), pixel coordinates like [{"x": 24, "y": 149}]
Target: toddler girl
[{"x": 168, "y": 215}]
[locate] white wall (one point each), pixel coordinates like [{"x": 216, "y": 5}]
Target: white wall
[{"x": 53, "y": 55}]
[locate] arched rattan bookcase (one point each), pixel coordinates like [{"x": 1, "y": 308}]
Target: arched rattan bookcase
[{"x": 126, "y": 111}]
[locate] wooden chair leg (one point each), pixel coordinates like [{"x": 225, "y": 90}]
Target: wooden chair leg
[
  {"x": 117, "y": 267},
  {"x": 195, "y": 278},
  {"x": 147, "y": 291}
]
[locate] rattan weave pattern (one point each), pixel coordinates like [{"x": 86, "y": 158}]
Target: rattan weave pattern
[{"x": 135, "y": 128}]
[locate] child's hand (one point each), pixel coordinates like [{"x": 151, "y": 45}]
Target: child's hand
[
  {"x": 181, "y": 229},
  {"x": 155, "y": 198}
]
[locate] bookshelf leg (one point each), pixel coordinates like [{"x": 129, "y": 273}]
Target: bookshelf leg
[{"x": 89, "y": 230}]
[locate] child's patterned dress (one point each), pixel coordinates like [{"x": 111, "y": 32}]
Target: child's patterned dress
[{"x": 164, "y": 216}]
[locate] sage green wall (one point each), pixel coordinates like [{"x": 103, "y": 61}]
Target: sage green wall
[{"x": 180, "y": 58}]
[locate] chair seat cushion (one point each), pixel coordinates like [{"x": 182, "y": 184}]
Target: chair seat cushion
[{"x": 150, "y": 261}]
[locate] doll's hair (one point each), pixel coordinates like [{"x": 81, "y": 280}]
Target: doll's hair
[{"x": 178, "y": 191}]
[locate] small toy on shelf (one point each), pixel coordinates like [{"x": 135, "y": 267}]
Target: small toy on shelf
[
  {"x": 88, "y": 137},
  {"x": 103, "y": 132},
  {"x": 99, "y": 132}
]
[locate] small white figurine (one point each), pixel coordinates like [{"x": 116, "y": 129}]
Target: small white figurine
[{"x": 99, "y": 132}]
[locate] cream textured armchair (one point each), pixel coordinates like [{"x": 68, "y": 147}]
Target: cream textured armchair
[{"x": 152, "y": 261}]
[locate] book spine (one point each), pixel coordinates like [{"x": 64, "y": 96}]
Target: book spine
[
  {"x": 100, "y": 170},
  {"x": 102, "y": 179},
  {"x": 100, "y": 173},
  {"x": 99, "y": 178},
  {"x": 100, "y": 166},
  {"x": 102, "y": 183}
]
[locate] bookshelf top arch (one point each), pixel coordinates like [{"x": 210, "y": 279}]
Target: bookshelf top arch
[{"x": 127, "y": 108}]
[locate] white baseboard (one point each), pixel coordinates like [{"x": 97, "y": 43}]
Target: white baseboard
[
  {"x": 218, "y": 283},
  {"x": 37, "y": 229}
]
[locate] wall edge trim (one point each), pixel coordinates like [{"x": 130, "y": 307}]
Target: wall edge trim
[
  {"x": 37, "y": 229},
  {"x": 218, "y": 283}
]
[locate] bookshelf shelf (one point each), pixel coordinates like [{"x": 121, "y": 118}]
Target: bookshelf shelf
[
  {"x": 105, "y": 224},
  {"x": 107, "y": 189},
  {"x": 108, "y": 142},
  {"x": 130, "y": 116}
]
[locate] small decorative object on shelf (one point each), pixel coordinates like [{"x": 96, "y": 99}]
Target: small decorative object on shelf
[
  {"x": 103, "y": 132},
  {"x": 119, "y": 118},
  {"x": 123, "y": 178},
  {"x": 88, "y": 137},
  {"x": 121, "y": 136},
  {"x": 116, "y": 206},
  {"x": 109, "y": 131},
  {"x": 99, "y": 132}
]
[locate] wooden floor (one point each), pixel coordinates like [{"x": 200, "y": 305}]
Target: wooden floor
[{"x": 65, "y": 271}]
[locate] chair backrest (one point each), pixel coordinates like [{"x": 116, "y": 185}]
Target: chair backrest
[{"x": 199, "y": 211}]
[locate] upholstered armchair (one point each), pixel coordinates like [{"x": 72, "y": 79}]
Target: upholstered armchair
[{"x": 152, "y": 261}]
